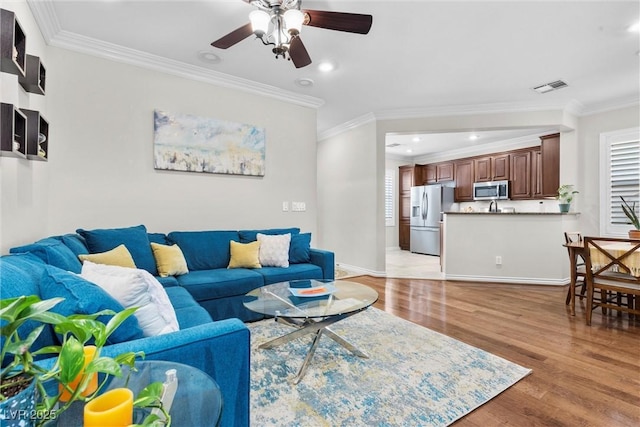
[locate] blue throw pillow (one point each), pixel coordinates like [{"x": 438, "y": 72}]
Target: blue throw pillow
[
  {"x": 134, "y": 238},
  {"x": 75, "y": 242},
  {"x": 83, "y": 297},
  {"x": 205, "y": 250},
  {"x": 53, "y": 252},
  {"x": 299, "y": 248},
  {"x": 20, "y": 275},
  {"x": 248, "y": 236}
]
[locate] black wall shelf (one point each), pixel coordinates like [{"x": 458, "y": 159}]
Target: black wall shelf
[
  {"x": 13, "y": 131},
  {"x": 35, "y": 77},
  {"x": 13, "y": 44}
]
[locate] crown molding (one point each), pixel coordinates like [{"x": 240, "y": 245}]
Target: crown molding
[
  {"x": 351, "y": 124},
  {"x": 610, "y": 105},
  {"x": 46, "y": 18}
]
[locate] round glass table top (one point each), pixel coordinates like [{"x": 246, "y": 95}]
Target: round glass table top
[{"x": 310, "y": 298}]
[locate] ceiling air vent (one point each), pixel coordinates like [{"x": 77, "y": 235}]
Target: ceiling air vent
[
  {"x": 548, "y": 87},
  {"x": 393, "y": 144}
]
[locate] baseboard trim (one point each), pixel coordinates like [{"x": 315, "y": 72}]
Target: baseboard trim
[
  {"x": 500, "y": 279},
  {"x": 361, "y": 271}
]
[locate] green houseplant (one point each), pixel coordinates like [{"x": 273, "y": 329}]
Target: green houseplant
[
  {"x": 566, "y": 194},
  {"x": 630, "y": 211},
  {"x": 21, "y": 372}
]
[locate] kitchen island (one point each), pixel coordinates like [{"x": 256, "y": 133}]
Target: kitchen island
[{"x": 521, "y": 247}]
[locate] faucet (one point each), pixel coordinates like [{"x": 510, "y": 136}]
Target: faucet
[{"x": 491, "y": 206}]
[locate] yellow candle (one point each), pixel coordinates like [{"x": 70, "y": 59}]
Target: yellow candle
[
  {"x": 112, "y": 409},
  {"x": 89, "y": 354}
]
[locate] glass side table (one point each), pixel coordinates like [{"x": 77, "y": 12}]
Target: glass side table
[{"x": 198, "y": 401}]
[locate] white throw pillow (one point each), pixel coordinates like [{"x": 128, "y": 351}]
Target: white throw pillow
[
  {"x": 274, "y": 250},
  {"x": 135, "y": 287}
]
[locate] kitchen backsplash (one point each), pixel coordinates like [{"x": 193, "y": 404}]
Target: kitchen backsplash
[{"x": 550, "y": 205}]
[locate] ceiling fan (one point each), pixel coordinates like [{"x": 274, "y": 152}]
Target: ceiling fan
[{"x": 278, "y": 23}]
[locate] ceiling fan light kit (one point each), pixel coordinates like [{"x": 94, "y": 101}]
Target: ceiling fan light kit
[{"x": 278, "y": 23}]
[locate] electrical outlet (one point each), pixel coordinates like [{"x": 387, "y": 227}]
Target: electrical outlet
[
  {"x": 298, "y": 206},
  {"x": 498, "y": 260}
]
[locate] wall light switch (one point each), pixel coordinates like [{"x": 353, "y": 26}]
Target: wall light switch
[
  {"x": 285, "y": 206},
  {"x": 298, "y": 206}
]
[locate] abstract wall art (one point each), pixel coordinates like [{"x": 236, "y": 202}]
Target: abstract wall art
[{"x": 184, "y": 142}]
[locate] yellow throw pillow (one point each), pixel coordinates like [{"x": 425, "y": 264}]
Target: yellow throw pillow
[
  {"x": 245, "y": 255},
  {"x": 119, "y": 256},
  {"x": 169, "y": 259}
]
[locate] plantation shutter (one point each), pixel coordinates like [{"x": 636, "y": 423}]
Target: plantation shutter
[
  {"x": 624, "y": 178},
  {"x": 619, "y": 176},
  {"x": 388, "y": 197}
]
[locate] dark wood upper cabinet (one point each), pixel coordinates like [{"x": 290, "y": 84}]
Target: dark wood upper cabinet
[
  {"x": 500, "y": 166},
  {"x": 521, "y": 175},
  {"x": 464, "y": 180},
  {"x": 482, "y": 169},
  {"x": 430, "y": 174},
  {"x": 444, "y": 172},
  {"x": 536, "y": 174},
  {"x": 550, "y": 163}
]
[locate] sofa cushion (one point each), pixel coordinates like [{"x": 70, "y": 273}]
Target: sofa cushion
[
  {"x": 219, "y": 283},
  {"x": 299, "y": 248},
  {"x": 274, "y": 250},
  {"x": 168, "y": 281},
  {"x": 83, "y": 297},
  {"x": 134, "y": 238},
  {"x": 204, "y": 250},
  {"x": 119, "y": 256},
  {"x": 53, "y": 252},
  {"x": 160, "y": 238},
  {"x": 294, "y": 272},
  {"x": 20, "y": 275},
  {"x": 188, "y": 311},
  {"x": 247, "y": 236},
  {"x": 244, "y": 255},
  {"x": 134, "y": 287},
  {"x": 169, "y": 260}
]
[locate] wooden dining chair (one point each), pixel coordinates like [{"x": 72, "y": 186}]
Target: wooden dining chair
[
  {"x": 612, "y": 267},
  {"x": 578, "y": 273}
]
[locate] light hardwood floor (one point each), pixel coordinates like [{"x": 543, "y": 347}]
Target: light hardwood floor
[{"x": 582, "y": 375}]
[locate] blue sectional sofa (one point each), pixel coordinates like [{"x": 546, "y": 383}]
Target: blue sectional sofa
[{"x": 207, "y": 300}]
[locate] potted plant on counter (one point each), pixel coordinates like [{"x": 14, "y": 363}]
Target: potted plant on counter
[
  {"x": 630, "y": 211},
  {"x": 565, "y": 197}
]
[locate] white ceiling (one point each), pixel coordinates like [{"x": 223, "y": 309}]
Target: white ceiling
[{"x": 419, "y": 56}]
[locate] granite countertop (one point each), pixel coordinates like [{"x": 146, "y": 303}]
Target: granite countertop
[{"x": 512, "y": 213}]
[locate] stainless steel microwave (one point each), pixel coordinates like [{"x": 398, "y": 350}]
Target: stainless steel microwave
[{"x": 491, "y": 190}]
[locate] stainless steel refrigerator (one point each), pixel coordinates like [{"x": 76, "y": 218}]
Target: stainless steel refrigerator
[{"x": 428, "y": 202}]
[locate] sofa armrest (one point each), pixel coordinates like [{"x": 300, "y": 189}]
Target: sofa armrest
[
  {"x": 324, "y": 260},
  {"x": 221, "y": 349}
]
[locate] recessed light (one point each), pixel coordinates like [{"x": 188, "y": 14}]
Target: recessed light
[
  {"x": 409, "y": 150},
  {"x": 416, "y": 139},
  {"x": 304, "y": 82},
  {"x": 326, "y": 66},
  {"x": 473, "y": 137},
  {"x": 209, "y": 57},
  {"x": 634, "y": 28}
]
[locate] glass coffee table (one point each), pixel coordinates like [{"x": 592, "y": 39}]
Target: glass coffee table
[{"x": 311, "y": 306}]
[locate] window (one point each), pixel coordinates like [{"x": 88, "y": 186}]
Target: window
[
  {"x": 389, "y": 198},
  {"x": 619, "y": 176}
]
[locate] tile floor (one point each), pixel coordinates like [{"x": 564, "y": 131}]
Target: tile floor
[{"x": 404, "y": 264}]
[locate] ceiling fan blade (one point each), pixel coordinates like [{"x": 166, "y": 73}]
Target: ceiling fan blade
[
  {"x": 233, "y": 37},
  {"x": 298, "y": 53},
  {"x": 339, "y": 21}
]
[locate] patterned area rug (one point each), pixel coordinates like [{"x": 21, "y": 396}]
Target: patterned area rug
[{"x": 413, "y": 377}]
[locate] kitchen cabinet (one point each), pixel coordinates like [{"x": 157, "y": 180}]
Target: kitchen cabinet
[
  {"x": 491, "y": 168},
  {"x": 464, "y": 180},
  {"x": 536, "y": 174},
  {"x": 521, "y": 175},
  {"x": 550, "y": 164},
  {"x": 430, "y": 174},
  {"x": 438, "y": 172},
  {"x": 406, "y": 174},
  {"x": 444, "y": 172}
]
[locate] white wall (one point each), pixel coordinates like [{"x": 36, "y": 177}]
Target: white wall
[
  {"x": 588, "y": 154},
  {"x": 350, "y": 197},
  {"x": 100, "y": 171}
]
